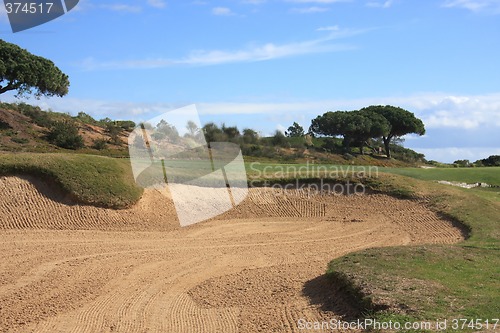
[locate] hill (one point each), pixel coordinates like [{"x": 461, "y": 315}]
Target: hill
[{"x": 26, "y": 128}]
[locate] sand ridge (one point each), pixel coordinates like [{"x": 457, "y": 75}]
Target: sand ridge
[{"x": 66, "y": 267}]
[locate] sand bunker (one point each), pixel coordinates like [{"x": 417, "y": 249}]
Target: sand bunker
[{"x": 72, "y": 268}]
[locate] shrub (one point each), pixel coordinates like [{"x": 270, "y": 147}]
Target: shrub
[
  {"x": 279, "y": 139},
  {"x": 114, "y": 132},
  {"x": 39, "y": 117},
  {"x": 100, "y": 144},
  {"x": 86, "y": 118},
  {"x": 127, "y": 125},
  {"x": 332, "y": 145},
  {"x": 250, "y": 136},
  {"x": 462, "y": 163},
  {"x": 493, "y": 160},
  {"x": 4, "y": 125},
  {"x": 64, "y": 134},
  {"x": 19, "y": 140}
]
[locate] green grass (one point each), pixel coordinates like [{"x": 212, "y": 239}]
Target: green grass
[
  {"x": 266, "y": 170},
  {"x": 490, "y": 175},
  {"x": 431, "y": 282},
  {"x": 95, "y": 180}
]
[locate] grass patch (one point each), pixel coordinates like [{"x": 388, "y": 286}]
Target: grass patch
[
  {"x": 94, "y": 180},
  {"x": 489, "y": 175},
  {"x": 431, "y": 282}
]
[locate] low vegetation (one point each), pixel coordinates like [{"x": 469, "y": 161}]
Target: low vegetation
[
  {"x": 425, "y": 283},
  {"x": 94, "y": 180},
  {"x": 28, "y": 128}
]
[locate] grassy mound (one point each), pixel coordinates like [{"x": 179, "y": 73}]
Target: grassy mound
[
  {"x": 94, "y": 180},
  {"x": 426, "y": 283}
]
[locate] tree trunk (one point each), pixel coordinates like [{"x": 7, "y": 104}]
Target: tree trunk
[
  {"x": 345, "y": 145},
  {"x": 387, "y": 141},
  {"x": 361, "y": 146}
]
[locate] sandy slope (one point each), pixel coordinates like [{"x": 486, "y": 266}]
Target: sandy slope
[{"x": 257, "y": 268}]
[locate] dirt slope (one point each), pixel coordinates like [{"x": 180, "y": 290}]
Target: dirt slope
[{"x": 71, "y": 268}]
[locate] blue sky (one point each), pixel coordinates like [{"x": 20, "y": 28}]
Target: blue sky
[{"x": 266, "y": 63}]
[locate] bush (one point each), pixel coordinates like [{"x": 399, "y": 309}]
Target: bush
[
  {"x": 332, "y": 145},
  {"x": 64, "y": 134},
  {"x": 19, "y": 140},
  {"x": 4, "y": 126},
  {"x": 39, "y": 117},
  {"x": 493, "y": 160},
  {"x": 100, "y": 144},
  {"x": 250, "y": 136},
  {"x": 86, "y": 118},
  {"x": 127, "y": 125},
  {"x": 406, "y": 155},
  {"x": 279, "y": 139},
  {"x": 462, "y": 163},
  {"x": 114, "y": 132}
]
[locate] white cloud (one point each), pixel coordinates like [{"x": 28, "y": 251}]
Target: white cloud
[
  {"x": 317, "y": 1},
  {"x": 222, "y": 11},
  {"x": 122, "y": 8},
  {"x": 253, "y": 2},
  {"x": 385, "y": 4},
  {"x": 329, "y": 28},
  {"x": 280, "y": 128},
  {"x": 489, "y": 6},
  {"x": 466, "y": 112},
  {"x": 251, "y": 53},
  {"x": 310, "y": 10},
  {"x": 157, "y": 3}
]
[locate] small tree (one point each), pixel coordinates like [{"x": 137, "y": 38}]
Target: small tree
[
  {"x": 493, "y": 160},
  {"x": 232, "y": 132},
  {"x": 27, "y": 73},
  {"x": 86, "y": 118},
  {"x": 295, "y": 130},
  {"x": 192, "y": 128},
  {"x": 65, "y": 135},
  {"x": 279, "y": 139},
  {"x": 250, "y": 136},
  {"x": 462, "y": 163},
  {"x": 212, "y": 132},
  {"x": 99, "y": 144},
  {"x": 114, "y": 132},
  {"x": 169, "y": 130}
]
